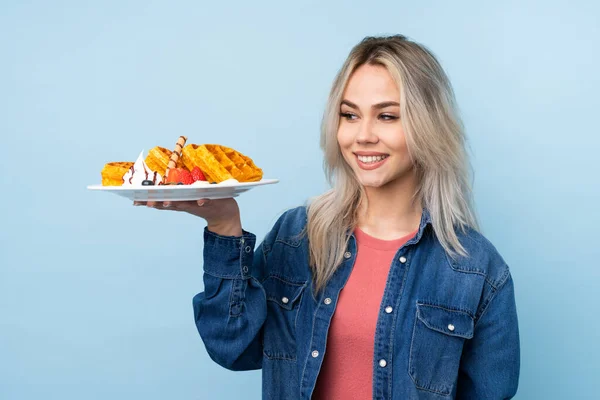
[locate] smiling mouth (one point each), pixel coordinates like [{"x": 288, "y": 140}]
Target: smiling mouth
[
  {"x": 369, "y": 163},
  {"x": 371, "y": 159}
]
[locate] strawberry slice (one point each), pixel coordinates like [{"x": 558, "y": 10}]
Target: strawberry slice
[
  {"x": 197, "y": 174},
  {"x": 173, "y": 176},
  {"x": 185, "y": 176}
]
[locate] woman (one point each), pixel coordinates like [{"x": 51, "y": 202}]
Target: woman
[{"x": 382, "y": 287}]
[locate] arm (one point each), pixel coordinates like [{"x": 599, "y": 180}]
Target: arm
[
  {"x": 231, "y": 311},
  {"x": 489, "y": 367}
]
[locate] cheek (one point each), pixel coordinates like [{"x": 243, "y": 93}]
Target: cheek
[
  {"x": 345, "y": 142},
  {"x": 344, "y": 138},
  {"x": 396, "y": 140}
]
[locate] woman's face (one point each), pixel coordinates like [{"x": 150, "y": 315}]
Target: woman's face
[{"x": 370, "y": 134}]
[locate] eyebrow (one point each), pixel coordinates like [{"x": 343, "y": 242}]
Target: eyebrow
[{"x": 374, "y": 106}]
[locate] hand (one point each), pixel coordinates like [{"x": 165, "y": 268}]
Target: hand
[{"x": 221, "y": 215}]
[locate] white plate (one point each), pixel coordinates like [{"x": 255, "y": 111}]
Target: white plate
[{"x": 182, "y": 192}]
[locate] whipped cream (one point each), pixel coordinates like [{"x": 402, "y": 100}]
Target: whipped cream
[
  {"x": 205, "y": 183},
  {"x": 140, "y": 172},
  {"x": 201, "y": 183}
]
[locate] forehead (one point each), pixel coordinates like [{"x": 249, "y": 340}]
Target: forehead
[{"x": 371, "y": 84}]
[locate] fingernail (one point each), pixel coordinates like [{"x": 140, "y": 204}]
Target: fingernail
[{"x": 166, "y": 205}]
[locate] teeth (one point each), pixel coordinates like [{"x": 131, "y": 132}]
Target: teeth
[{"x": 370, "y": 159}]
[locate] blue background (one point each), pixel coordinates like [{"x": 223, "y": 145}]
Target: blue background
[{"x": 95, "y": 295}]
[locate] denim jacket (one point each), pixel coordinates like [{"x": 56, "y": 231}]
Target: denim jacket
[{"x": 452, "y": 332}]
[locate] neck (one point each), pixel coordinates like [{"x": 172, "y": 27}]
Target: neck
[{"x": 390, "y": 211}]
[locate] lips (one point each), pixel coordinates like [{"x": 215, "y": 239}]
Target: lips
[
  {"x": 369, "y": 153},
  {"x": 370, "y": 165}
]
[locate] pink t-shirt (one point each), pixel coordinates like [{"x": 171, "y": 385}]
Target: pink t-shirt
[{"x": 347, "y": 370}]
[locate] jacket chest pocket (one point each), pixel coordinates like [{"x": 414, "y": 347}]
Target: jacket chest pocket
[
  {"x": 436, "y": 347},
  {"x": 283, "y": 300}
]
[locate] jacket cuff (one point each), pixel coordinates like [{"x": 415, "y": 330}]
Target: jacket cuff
[{"x": 228, "y": 256}]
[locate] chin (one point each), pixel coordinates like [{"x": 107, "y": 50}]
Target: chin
[{"x": 375, "y": 182}]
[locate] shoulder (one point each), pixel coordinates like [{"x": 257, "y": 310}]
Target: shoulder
[
  {"x": 290, "y": 226},
  {"x": 295, "y": 217},
  {"x": 482, "y": 258},
  {"x": 285, "y": 247}
]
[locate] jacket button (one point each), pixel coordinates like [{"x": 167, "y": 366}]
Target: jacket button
[
  {"x": 248, "y": 249},
  {"x": 389, "y": 309},
  {"x": 347, "y": 254},
  {"x": 451, "y": 327},
  {"x": 382, "y": 363},
  {"x": 402, "y": 259},
  {"x": 327, "y": 301},
  {"x": 315, "y": 354},
  {"x": 285, "y": 300},
  {"x": 245, "y": 269}
]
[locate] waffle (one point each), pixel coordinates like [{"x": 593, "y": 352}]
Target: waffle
[
  {"x": 113, "y": 172},
  {"x": 158, "y": 159},
  {"x": 219, "y": 163}
]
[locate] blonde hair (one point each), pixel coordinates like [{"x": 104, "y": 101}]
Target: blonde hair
[{"x": 435, "y": 141}]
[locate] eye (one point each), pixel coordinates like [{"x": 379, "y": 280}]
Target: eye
[
  {"x": 388, "y": 117},
  {"x": 348, "y": 116}
]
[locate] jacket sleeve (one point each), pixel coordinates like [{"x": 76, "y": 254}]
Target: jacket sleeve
[
  {"x": 232, "y": 309},
  {"x": 489, "y": 367}
]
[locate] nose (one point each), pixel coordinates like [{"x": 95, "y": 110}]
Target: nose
[{"x": 366, "y": 133}]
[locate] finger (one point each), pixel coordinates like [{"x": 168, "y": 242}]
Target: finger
[
  {"x": 160, "y": 206},
  {"x": 139, "y": 203},
  {"x": 151, "y": 204},
  {"x": 183, "y": 205},
  {"x": 202, "y": 202},
  {"x": 171, "y": 205}
]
